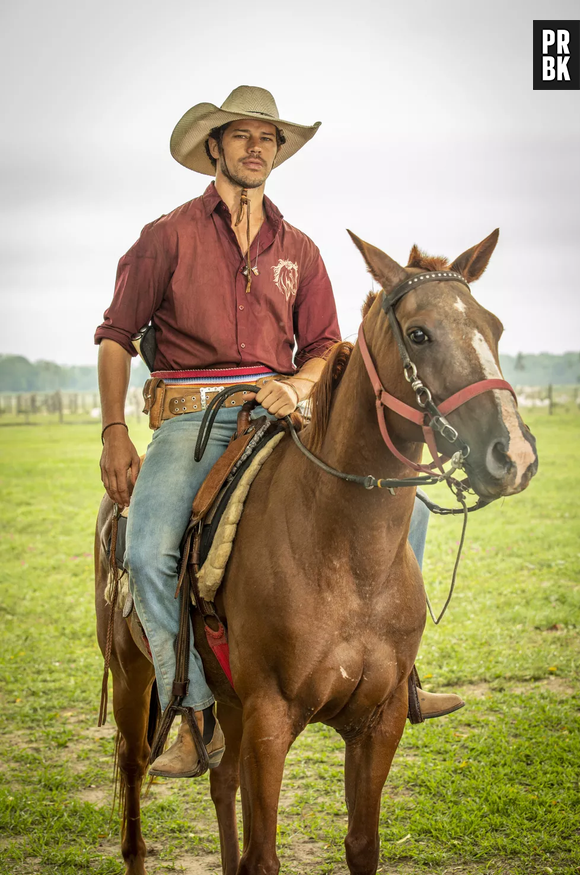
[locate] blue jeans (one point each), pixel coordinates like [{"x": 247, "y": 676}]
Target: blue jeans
[{"x": 160, "y": 511}]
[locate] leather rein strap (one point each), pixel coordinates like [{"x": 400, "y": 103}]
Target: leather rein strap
[
  {"x": 430, "y": 417},
  {"x": 384, "y": 400}
]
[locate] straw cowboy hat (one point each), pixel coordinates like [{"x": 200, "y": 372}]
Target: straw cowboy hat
[{"x": 192, "y": 130}]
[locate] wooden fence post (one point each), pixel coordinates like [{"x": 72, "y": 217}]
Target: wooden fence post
[{"x": 59, "y": 406}]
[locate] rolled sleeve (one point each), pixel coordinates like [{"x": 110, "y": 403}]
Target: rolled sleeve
[
  {"x": 142, "y": 278},
  {"x": 315, "y": 321}
]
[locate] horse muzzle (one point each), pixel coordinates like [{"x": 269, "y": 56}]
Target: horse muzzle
[{"x": 504, "y": 467}]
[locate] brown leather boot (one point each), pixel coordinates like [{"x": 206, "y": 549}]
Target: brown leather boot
[
  {"x": 181, "y": 760},
  {"x": 425, "y": 706}
]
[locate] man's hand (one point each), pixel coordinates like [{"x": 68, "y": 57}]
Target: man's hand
[
  {"x": 277, "y": 398},
  {"x": 119, "y": 465}
]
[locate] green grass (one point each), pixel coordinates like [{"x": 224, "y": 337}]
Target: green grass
[{"x": 493, "y": 788}]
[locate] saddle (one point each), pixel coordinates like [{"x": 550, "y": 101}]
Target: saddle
[{"x": 213, "y": 499}]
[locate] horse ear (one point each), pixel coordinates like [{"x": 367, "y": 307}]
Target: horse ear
[
  {"x": 472, "y": 263},
  {"x": 381, "y": 267}
]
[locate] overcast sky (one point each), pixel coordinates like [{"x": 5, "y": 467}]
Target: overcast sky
[{"x": 431, "y": 134}]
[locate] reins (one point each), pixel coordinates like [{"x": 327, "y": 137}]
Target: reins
[{"x": 430, "y": 418}]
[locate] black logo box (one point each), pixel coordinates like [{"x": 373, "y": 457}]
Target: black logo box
[{"x": 569, "y": 40}]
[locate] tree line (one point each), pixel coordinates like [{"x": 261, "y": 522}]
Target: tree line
[{"x": 18, "y": 374}]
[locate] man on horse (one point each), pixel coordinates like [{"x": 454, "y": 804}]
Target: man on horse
[{"x": 230, "y": 289}]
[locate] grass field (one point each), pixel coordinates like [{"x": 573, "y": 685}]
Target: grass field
[{"x": 491, "y": 789}]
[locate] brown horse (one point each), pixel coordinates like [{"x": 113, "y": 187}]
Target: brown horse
[{"x": 323, "y": 597}]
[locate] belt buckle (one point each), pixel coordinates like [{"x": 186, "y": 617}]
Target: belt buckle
[{"x": 208, "y": 390}]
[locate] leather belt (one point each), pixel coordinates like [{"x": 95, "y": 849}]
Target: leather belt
[{"x": 193, "y": 397}]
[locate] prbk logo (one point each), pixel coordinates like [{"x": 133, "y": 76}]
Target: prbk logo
[{"x": 557, "y": 55}]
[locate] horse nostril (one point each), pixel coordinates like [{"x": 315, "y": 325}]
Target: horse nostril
[
  {"x": 498, "y": 461},
  {"x": 499, "y": 451}
]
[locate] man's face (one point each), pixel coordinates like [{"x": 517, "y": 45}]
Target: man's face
[{"x": 248, "y": 152}]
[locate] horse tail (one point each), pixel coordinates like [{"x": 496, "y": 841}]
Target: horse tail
[{"x": 321, "y": 396}]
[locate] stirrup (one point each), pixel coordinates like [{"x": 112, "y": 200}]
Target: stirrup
[
  {"x": 414, "y": 713},
  {"x": 427, "y": 706},
  {"x": 169, "y": 715}
]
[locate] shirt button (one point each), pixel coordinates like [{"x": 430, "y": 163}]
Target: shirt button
[
  {"x": 241, "y": 307},
  {"x": 243, "y": 345}
]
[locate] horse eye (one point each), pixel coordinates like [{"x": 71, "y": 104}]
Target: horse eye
[{"x": 418, "y": 336}]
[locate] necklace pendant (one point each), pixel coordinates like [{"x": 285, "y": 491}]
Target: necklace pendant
[{"x": 255, "y": 271}]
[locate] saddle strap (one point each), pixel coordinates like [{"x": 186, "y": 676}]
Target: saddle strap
[
  {"x": 111, "y": 621},
  {"x": 209, "y": 489}
]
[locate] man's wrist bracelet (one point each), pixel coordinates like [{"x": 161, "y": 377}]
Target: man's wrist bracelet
[
  {"x": 286, "y": 382},
  {"x": 292, "y": 386},
  {"x": 124, "y": 424}
]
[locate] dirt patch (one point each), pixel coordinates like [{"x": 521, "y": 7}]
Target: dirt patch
[
  {"x": 106, "y": 731},
  {"x": 187, "y": 864},
  {"x": 95, "y": 796},
  {"x": 303, "y": 853}
]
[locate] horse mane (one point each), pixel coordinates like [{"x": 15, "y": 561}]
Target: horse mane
[
  {"x": 369, "y": 301},
  {"x": 321, "y": 395},
  {"x": 420, "y": 259}
]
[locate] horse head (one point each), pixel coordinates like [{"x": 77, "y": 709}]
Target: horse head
[{"x": 452, "y": 341}]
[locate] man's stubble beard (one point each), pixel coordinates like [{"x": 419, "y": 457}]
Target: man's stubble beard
[{"x": 242, "y": 181}]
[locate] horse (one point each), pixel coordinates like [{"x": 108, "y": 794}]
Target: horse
[{"x": 323, "y": 597}]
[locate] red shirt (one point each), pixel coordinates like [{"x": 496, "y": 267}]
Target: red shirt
[{"x": 185, "y": 273}]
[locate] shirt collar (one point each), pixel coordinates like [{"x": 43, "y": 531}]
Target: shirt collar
[{"x": 211, "y": 201}]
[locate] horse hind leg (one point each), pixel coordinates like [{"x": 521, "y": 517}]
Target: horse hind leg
[
  {"x": 131, "y": 704},
  {"x": 367, "y": 764},
  {"x": 224, "y": 783}
]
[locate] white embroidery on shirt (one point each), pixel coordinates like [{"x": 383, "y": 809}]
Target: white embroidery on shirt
[{"x": 286, "y": 277}]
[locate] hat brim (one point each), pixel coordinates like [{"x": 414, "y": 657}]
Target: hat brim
[{"x": 187, "y": 142}]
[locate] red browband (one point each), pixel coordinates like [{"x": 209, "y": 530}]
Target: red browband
[{"x": 419, "y": 417}]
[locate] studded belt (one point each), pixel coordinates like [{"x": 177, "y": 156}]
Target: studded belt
[{"x": 191, "y": 398}]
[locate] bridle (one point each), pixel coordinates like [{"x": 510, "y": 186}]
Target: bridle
[{"x": 430, "y": 417}]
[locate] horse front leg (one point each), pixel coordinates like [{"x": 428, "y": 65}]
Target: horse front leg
[
  {"x": 367, "y": 763},
  {"x": 268, "y": 732},
  {"x": 224, "y": 783}
]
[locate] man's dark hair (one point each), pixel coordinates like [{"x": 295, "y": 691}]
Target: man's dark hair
[{"x": 217, "y": 135}]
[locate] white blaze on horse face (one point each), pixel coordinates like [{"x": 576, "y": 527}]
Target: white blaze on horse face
[
  {"x": 459, "y": 305},
  {"x": 519, "y": 450}
]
